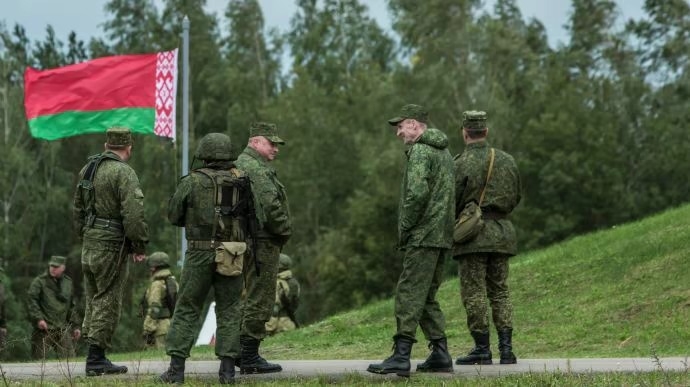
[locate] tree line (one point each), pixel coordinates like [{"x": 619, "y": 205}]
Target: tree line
[{"x": 597, "y": 125}]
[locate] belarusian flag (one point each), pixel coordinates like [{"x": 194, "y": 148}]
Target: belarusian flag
[{"x": 133, "y": 91}]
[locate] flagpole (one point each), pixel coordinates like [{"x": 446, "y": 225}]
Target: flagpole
[{"x": 185, "y": 117}]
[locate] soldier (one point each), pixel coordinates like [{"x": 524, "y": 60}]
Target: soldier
[
  {"x": 3, "y": 313},
  {"x": 52, "y": 311},
  {"x": 109, "y": 219},
  {"x": 215, "y": 205},
  {"x": 276, "y": 228},
  {"x": 158, "y": 303},
  {"x": 425, "y": 232},
  {"x": 483, "y": 261},
  {"x": 286, "y": 301}
]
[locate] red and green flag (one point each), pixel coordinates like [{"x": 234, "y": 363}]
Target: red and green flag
[{"x": 133, "y": 91}]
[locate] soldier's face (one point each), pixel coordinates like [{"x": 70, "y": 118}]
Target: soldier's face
[
  {"x": 266, "y": 148},
  {"x": 408, "y": 131},
  {"x": 56, "y": 271}
]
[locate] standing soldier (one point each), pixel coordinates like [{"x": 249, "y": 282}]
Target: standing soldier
[
  {"x": 482, "y": 171},
  {"x": 109, "y": 219},
  {"x": 425, "y": 234},
  {"x": 215, "y": 205},
  {"x": 158, "y": 303},
  {"x": 276, "y": 228},
  {"x": 286, "y": 301},
  {"x": 52, "y": 311}
]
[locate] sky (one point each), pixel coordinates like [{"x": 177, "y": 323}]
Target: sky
[{"x": 86, "y": 16}]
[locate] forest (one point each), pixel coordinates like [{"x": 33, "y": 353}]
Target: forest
[{"x": 596, "y": 124}]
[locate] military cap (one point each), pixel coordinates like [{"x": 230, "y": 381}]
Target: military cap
[
  {"x": 157, "y": 259},
  {"x": 284, "y": 262},
  {"x": 268, "y": 130},
  {"x": 118, "y": 137},
  {"x": 412, "y": 111},
  {"x": 57, "y": 260},
  {"x": 474, "y": 120}
]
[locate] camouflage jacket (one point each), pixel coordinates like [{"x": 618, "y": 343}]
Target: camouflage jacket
[
  {"x": 118, "y": 196},
  {"x": 427, "y": 208},
  {"x": 273, "y": 210},
  {"x": 157, "y": 305},
  {"x": 52, "y": 300},
  {"x": 287, "y": 294},
  {"x": 503, "y": 193}
]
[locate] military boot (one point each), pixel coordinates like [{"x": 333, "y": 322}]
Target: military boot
[
  {"x": 175, "y": 372},
  {"x": 97, "y": 364},
  {"x": 226, "y": 373},
  {"x": 399, "y": 362},
  {"x": 505, "y": 346},
  {"x": 480, "y": 354},
  {"x": 252, "y": 362},
  {"x": 439, "y": 359}
]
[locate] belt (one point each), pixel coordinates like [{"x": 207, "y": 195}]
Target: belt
[
  {"x": 107, "y": 224},
  {"x": 193, "y": 244},
  {"x": 493, "y": 215}
]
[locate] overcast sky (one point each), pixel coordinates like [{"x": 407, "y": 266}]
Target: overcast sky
[{"x": 86, "y": 16}]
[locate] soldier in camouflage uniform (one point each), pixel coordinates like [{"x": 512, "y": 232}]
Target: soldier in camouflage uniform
[
  {"x": 52, "y": 311},
  {"x": 274, "y": 215},
  {"x": 286, "y": 301},
  {"x": 425, "y": 229},
  {"x": 217, "y": 218},
  {"x": 483, "y": 261},
  {"x": 109, "y": 219},
  {"x": 159, "y": 300}
]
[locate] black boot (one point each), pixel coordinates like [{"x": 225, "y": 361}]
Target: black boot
[
  {"x": 505, "y": 346},
  {"x": 439, "y": 360},
  {"x": 226, "y": 373},
  {"x": 175, "y": 372},
  {"x": 399, "y": 362},
  {"x": 97, "y": 364},
  {"x": 252, "y": 362},
  {"x": 480, "y": 354}
]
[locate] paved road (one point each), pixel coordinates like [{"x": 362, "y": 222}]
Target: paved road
[{"x": 334, "y": 368}]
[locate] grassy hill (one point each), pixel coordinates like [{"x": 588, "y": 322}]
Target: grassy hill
[{"x": 623, "y": 292}]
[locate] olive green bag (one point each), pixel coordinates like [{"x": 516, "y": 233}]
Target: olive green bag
[{"x": 470, "y": 221}]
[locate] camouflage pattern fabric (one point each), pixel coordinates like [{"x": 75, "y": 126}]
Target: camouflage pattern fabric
[
  {"x": 158, "y": 315},
  {"x": 482, "y": 276},
  {"x": 286, "y": 299},
  {"x": 118, "y": 196},
  {"x": 257, "y": 305},
  {"x": 59, "y": 339},
  {"x": 503, "y": 193},
  {"x": 427, "y": 207},
  {"x": 192, "y": 204},
  {"x": 425, "y": 226},
  {"x": 3, "y": 315},
  {"x": 273, "y": 213},
  {"x": 415, "y": 295}
]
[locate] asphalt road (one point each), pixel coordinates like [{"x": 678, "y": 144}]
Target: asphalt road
[{"x": 55, "y": 371}]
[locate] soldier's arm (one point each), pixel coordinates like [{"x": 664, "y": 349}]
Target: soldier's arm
[
  {"x": 178, "y": 202},
  {"x": 34, "y": 300},
  {"x": 277, "y": 216},
  {"x": 460, "y": 185},
  {"x": 416, "y": 193},
  {"x": 72, "y": 316},
  {"x": 132, "y": 210},
  {"x": 78, "y": 210},
  {"x": 155, "y": 298}
]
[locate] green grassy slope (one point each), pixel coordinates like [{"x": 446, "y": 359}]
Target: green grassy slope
[{"x": 623, "y": 292}]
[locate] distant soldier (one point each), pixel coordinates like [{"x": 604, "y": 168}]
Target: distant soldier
[
  {"x": 215, "y": 205},
  {"x": 52, "y": 311},
  {"x": 287, "y": 299},
  {"x": 276, "y": 227},
  {"x": 158, "y": 303},
  {"x": 3, "y": 313},
  {"x": 109, "y": 218}
]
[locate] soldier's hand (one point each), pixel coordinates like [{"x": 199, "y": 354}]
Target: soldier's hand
[
  {"x": 138, "y": 257},
  {"x": 42, "y": 325},
  {"x": 76, "y": 334}
]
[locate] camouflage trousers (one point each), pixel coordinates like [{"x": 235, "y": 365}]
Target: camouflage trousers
[
  {"x": 415, "y": 296},
  {"x": 482, "y": 276},
  {"x": 105, "y": 275},
  {"x": 198, "y": 277},
  {"x": 59, "y": 339},
  {"x": 158, "y": 329},
  {"x": 257, "y": 306}
]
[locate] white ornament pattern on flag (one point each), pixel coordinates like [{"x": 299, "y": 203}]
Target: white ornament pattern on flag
[{"x": 166, "y": 87}]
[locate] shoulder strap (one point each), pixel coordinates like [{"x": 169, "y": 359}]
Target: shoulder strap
[
  {"x": 170, "y": 293},
  {"x": 488, "y": 176}
]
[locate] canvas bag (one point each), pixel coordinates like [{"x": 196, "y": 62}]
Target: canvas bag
[
  {"x": 470, "y": 221},
  {"x": 230, "y": 258}
]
